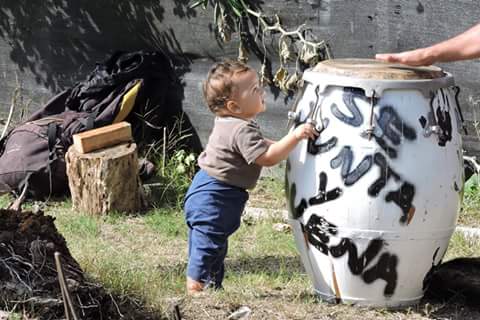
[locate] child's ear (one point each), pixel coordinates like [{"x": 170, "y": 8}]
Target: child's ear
[{"x": 233, "y": 107}]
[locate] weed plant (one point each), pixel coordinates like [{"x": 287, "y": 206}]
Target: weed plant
[{"x": 175, "y": 168}]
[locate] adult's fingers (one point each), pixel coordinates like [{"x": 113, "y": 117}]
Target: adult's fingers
[{"x": 387, "y": 57}]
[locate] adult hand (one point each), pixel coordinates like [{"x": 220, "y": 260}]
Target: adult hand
[{"x": 418, "y": 57}]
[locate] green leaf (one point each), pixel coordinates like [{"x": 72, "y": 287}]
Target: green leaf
[
  {"x": 180, "y": 155},
  {"x": 197, "y": 3},
  {"x": 180, "y": 168},
  {"x": 237, "y": 12},
  {"x": 189, "y": 159}
]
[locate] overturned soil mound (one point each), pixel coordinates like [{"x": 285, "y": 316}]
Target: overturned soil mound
[{"x": 29, "y": 279}]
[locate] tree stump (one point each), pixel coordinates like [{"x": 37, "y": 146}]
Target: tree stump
[{"x": 105, "y": 180}]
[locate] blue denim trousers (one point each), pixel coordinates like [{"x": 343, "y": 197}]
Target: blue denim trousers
[{"x": 212, "y": 212}]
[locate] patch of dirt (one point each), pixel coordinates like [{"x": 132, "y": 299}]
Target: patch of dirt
[
  {"x": 281, "y": 305},
  {"x": 28, "y": 275},
  {"x": 267, "y": 195}
]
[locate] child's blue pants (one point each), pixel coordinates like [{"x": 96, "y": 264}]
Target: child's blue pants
[{"x": 212, "y": 212}]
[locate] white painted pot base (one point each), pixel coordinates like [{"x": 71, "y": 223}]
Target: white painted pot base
[
  {"x": 374, "y": 200},
  {"x": 399, "y": 304}
]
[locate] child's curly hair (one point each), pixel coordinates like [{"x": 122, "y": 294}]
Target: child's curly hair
[{"x": 218, "y": 87}]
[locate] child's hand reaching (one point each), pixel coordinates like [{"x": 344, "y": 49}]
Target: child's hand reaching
[
  {"x": 279, "y": 150},
  {"x": 305, "y": 131}
]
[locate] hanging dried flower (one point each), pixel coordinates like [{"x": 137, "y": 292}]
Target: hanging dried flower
[
  {"x": 280, "y": 75},
  {"x": 231, "y": 16},
  {"x": 264, "y": 80},
  {"x": 292, "y": 82},
  {"x": 280, "y": 78},
  {"x": 309, "y": 54},
  {"x": 242, "y": 52},
  {"x": 285, "y": 52}
]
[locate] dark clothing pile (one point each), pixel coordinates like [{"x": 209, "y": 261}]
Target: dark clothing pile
[{"x": 136, "y": 87}]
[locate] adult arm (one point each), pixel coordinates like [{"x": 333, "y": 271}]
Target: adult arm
[{"x": 462, "y": 47}]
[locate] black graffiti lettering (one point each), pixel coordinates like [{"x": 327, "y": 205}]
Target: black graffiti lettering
[
  {"x": 428, "y": 276},
  {"x": 445, "y": 122},
  {"x": 459, "y": 110},
  {"x": 315, "y": 149},
  {"x": 318, "y": 231},
  {"x": 300, "y": 209},
  {"x": 403, "y": 198},
  {"x": 385, "y": 174},
  {"x": 455, "y": 186},
  {"x": 386, "y": 269},
  {"x": 287, "y": 184},
  {"x": 391, "y": 152},
  {"x": 299, "y": 122},
  {"x": 442, "y": 114},
  {"x": 392, "y": 128},
  {"x": 296, "y": 211},
  {"x": 423, "y": 121},
  {"x": 324, "y": 195},
  {"x": 390, "y": 120},
  {"x": 345, "y": 159},
  {"x": 322, "y": 224},
  {"x": 357, "y": 263},
  {"x": 356, "y": 118},
  {"x": 443, "y": 96},
  {"x": 458, "y": 120}
]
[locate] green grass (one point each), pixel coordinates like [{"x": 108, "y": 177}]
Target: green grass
[
  {"x": 167, "y": 222},
  {"x": 461, "y": 246},
  {"x": 268, "y": 193},
  {"x": 144, "y": 256},
  {"x": 470, "y": 214}
]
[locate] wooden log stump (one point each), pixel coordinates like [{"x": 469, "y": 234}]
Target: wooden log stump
[{"x": 105, "y": 180}]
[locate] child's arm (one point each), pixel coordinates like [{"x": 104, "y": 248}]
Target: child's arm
[{"x": 279, "y": 150}]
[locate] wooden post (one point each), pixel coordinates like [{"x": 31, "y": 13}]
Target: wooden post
[{"x": 105, "y": 180}]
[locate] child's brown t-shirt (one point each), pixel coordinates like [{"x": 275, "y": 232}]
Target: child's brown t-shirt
[{"x": 231, "y": 151}]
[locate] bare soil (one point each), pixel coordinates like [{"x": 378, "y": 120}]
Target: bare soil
[{"x": 28, "y": 276}]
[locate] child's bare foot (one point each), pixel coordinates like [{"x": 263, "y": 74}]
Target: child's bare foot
[{"x": 193, "y": 286}]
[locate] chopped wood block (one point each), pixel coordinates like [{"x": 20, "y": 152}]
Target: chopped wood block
[
  {"x": 105, "y": 180},
  {"x": 99, "y": 138}
]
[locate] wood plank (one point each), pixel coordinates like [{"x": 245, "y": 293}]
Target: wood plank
[{"x": 103, "y": 137}]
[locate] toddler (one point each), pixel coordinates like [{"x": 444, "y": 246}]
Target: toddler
[{"x": 230, "y": 164}]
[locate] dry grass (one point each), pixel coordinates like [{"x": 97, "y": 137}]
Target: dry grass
[
  {"x": 470, "y": 215},
  {"x": 144, "y": 257}
]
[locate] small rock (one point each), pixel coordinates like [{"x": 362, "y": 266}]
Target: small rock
[
  {"x": 282, "y": 227},
  {"x": 72, "y": 284},
  {"x": 242, "y": 313},
  {"x": 4, "y": 315},
  {"x": 36, "y": 208}
]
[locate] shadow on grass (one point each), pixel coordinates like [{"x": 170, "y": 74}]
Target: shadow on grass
[
  {"x": 456, "y": 285},
  {"x": 453, "y": 294},
  {"x": 288, "y": 267}
]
